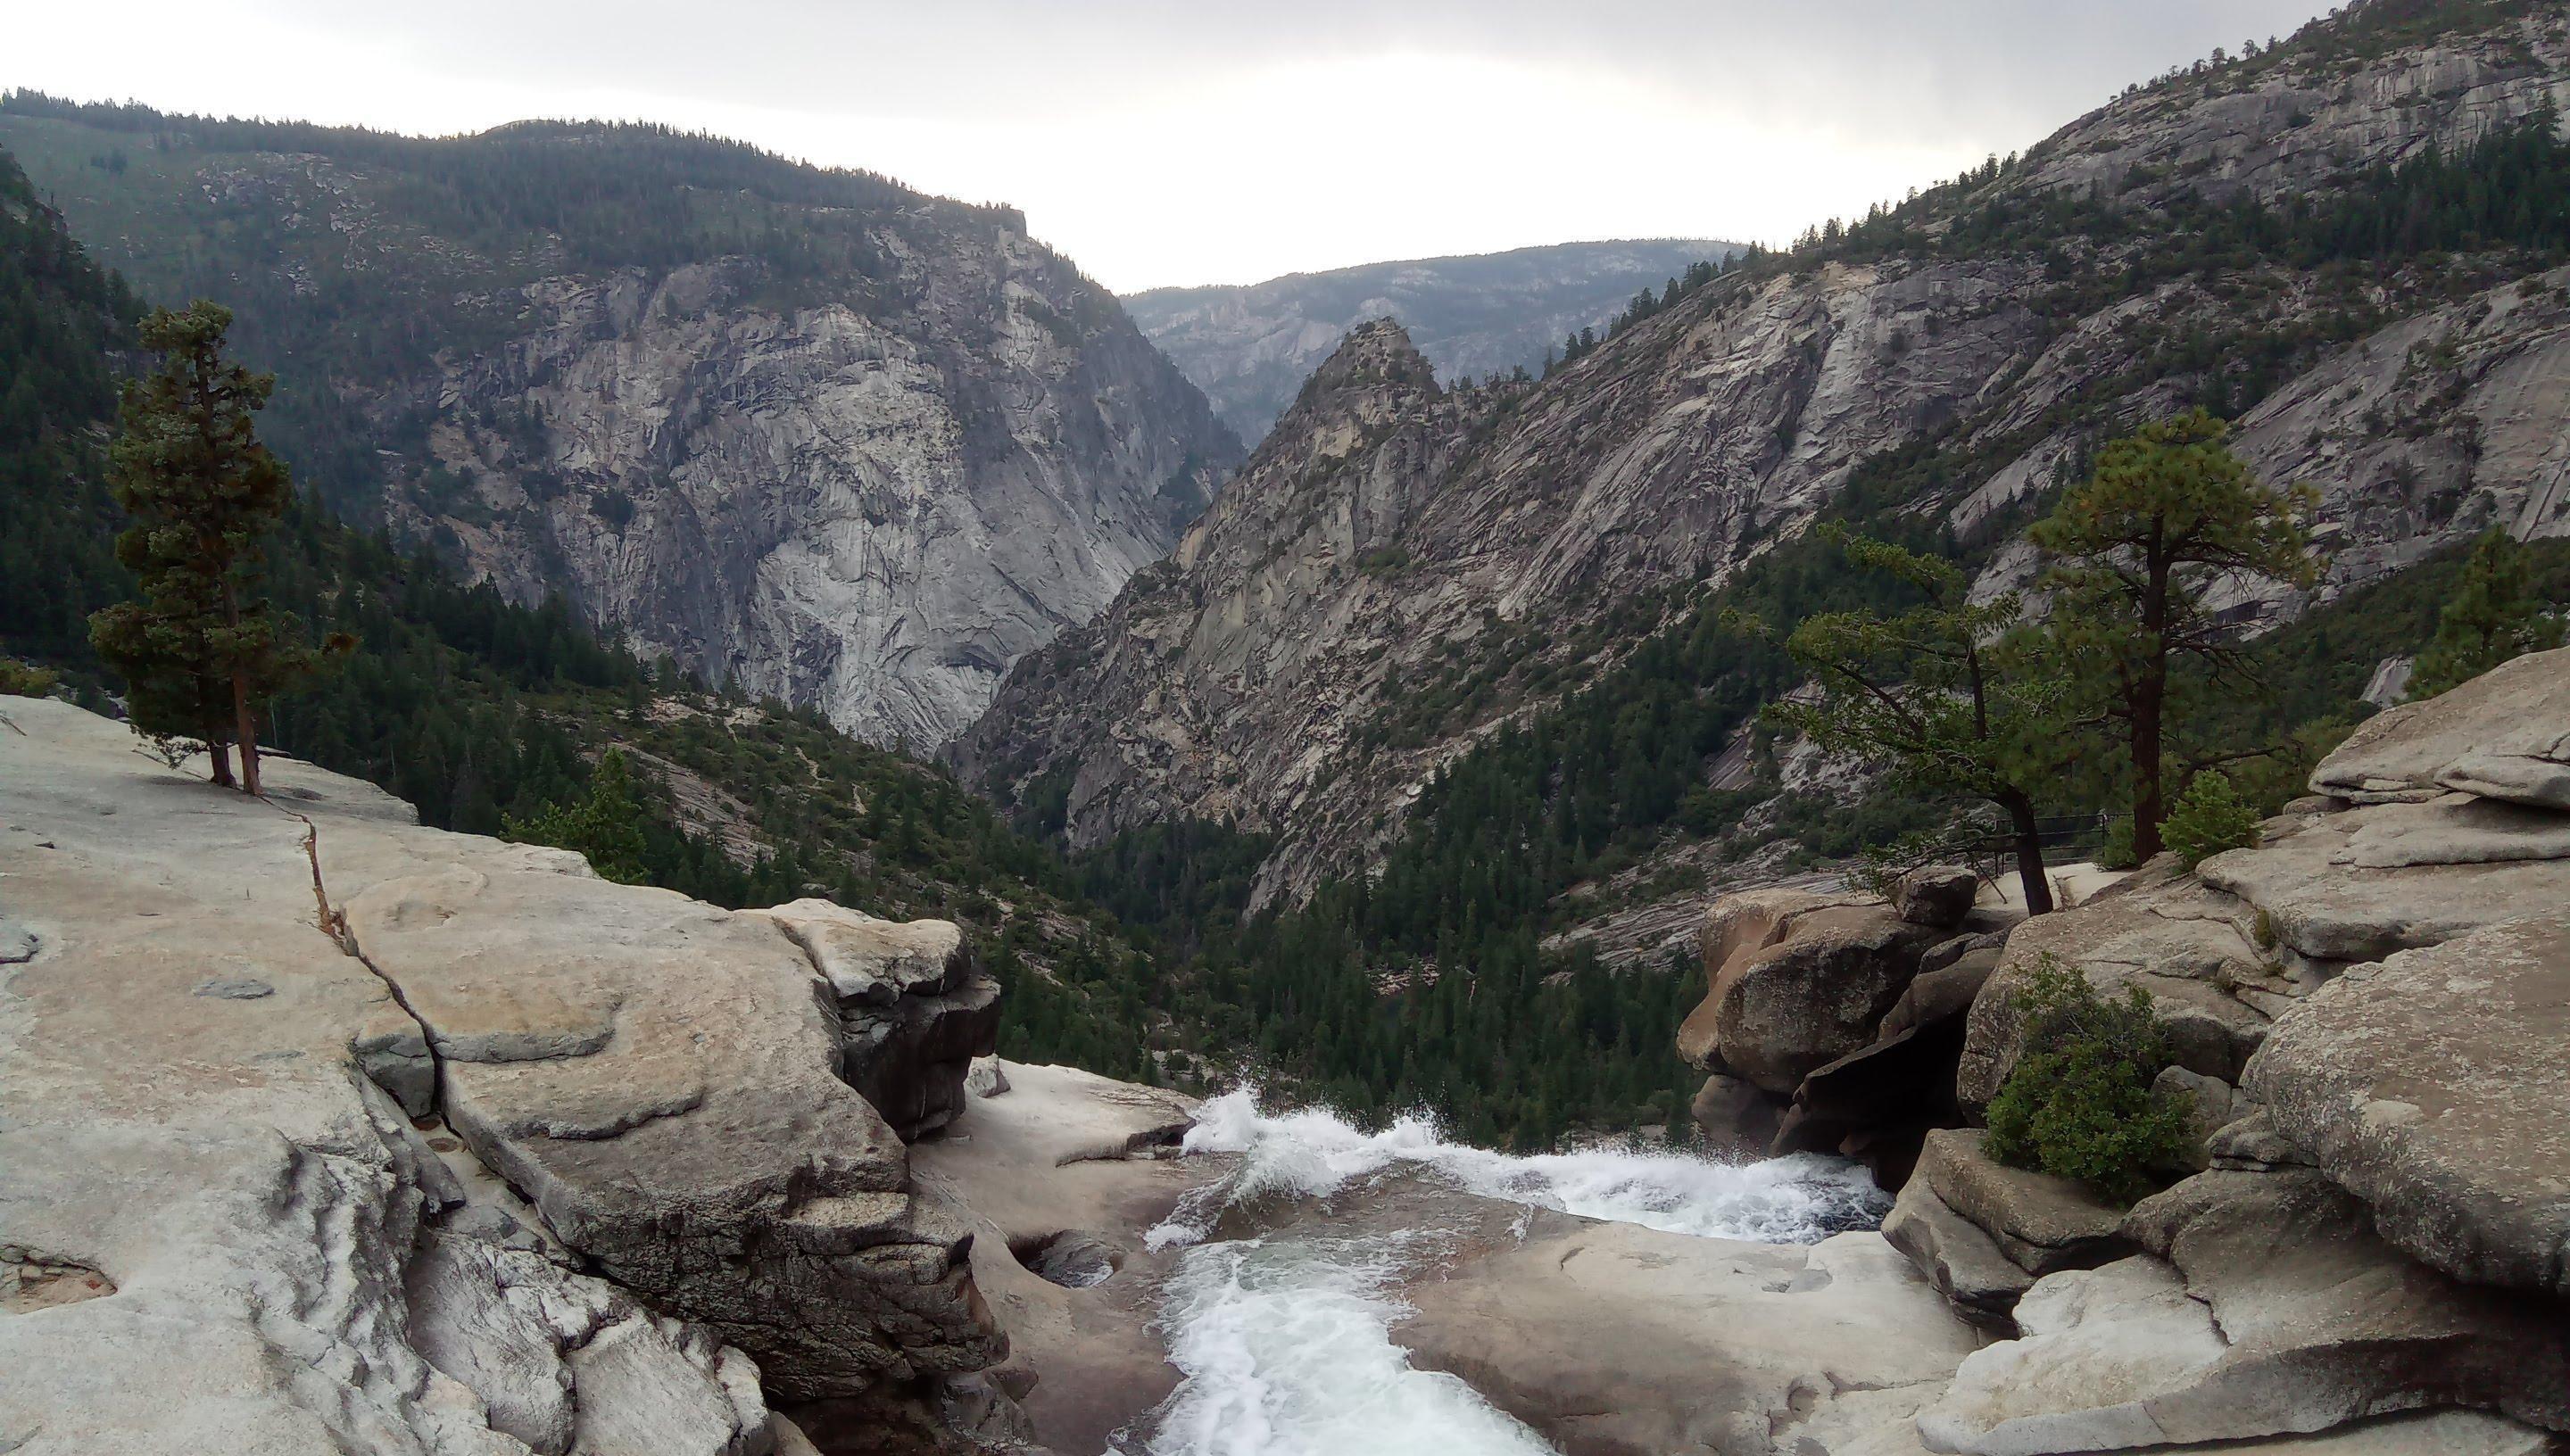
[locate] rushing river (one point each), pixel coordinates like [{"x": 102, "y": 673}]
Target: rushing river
[{"x": 1284, "y": 1341}]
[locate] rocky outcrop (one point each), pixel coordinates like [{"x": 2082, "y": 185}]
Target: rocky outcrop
[
  {"x": 1249, "y": 347},
  {"x": 809, "y": 432},
  {"x": 1620, "y": 1340},
  {"x": 1832, "y": 1022},
  {"x": 2431, "y": 1086},
  {"x": 915, "y": 1008},
  {"x": 631, "y": 1196},
  {"x": 2503, "y": 736},
  {"x": 1283, "y": 673},
  {"x": 2230, "y": 1334}
]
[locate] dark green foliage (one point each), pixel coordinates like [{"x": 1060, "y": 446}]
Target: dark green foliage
[
  {"x": 60, "y": 314},
  {"x": 2208, "y": 818},
  {"x": 201, "y": 651},
  {"x": 605, "y": 823},
  {"x": 23, "y": 680},
  {"x": 2137, "y": 548},
  {"x": 2078, "y": 1103},
  {"x": 2495, "y": 616}
]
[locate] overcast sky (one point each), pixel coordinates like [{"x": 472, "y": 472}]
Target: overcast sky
[{"x": 1199, "y": 141}]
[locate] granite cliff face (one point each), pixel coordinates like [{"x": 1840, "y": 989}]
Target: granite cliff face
[
  {"x": 1388, "y": 532},
  {"x": 838, "y": 442},
  {"x": 1249, "y": 347}
]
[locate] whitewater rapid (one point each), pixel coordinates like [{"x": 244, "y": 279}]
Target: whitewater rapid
[{"x": 1284, "y": 1342}]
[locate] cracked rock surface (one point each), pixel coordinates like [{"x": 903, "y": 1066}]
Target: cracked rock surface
[{"x": 648, "y": 1197}]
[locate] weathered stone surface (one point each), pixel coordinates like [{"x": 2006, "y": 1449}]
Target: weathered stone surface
[
  {"x": 2209, "y": 1104},
  {"x": 988, "y": 1078},
  {"x": 1067, "y": 1154},
  {"x": 2502, "y": 735},
  {"x": 915, "y": 1008},
  {"x": 695, "y": 1147},
  {"x": 2193, "y": 948},
  {"x": 2321, "y": 903},
  {"x": 2230, "y": 1332},
  {"x": 2433, "y": 1086},
  {"x": 2041, "y": 1223},
  {"x": 1945, "y": 994},
  {"x": 1735, "y": 925},
  {"x": 1938, "y": 896},
  {"x": 1619, "y": 1340},
  {"x": 1786, "y": 1010},
  {"x": 2456, "y": 828},
  {"x": 1960, "y": 1259},
  {"x": 217, "y": 1236}
]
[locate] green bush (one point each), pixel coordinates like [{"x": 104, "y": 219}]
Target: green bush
[
  {"x": 23, "y": 680},
  {"x": 2207, "y": 818},
  {"x": 2078, "y": 1104}
]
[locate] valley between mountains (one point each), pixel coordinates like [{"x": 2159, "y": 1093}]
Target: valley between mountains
[{"x": 864, "y": 847}]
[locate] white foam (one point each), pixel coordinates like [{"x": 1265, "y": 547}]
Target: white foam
[
  {"x": 1313, "y": 1152},
  {"x": 1286, "y": 1351},
  {"x": 1285, "y": 1341}
]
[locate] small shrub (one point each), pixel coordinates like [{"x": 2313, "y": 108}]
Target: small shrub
[
  {"x": 2207, "y": 818},
  {"x": 25, "y": 681},
  {"x": 2078, "y": 1104}
]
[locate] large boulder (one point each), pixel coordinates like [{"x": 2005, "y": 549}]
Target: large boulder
[
  {"x": 215, "y": 1234},
  {"x": 1783, "y": 1009},
  {"x": 1611, "y": 1340},
  {"x": 915, "y": 1008},
  {"x": 1938, "y": 896},
  {"x": 1735, "y": 925},
  {"x": 1957, "y": 1254},
  {"x": 2503, "y": 735},
  {"x": 2334, "y": 888},
  {"x": 2196, "y": 950},
  {"x": 2267, "y": 1307},
  {"x": 656, "y": 1075},
  {"x": 2042, "y": 1223},
  {"x": 2433, "y": 1086}
]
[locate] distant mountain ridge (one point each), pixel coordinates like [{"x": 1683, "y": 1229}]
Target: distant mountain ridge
[
  {"x": 804, "y": 431},
  {"x": 1249, "y": 347},
  {"x": 2350, "y": 243}
]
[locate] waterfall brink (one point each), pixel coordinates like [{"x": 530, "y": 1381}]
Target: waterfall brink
[{"x": 1285, "y": 1339}]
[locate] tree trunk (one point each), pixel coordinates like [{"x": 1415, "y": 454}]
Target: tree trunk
[
  {"x": 2030, "y": 853},
  {"x": 222, "y": 755},
  {"x": 2148, "y": 811},
  {"x": 245, "y": 730}
]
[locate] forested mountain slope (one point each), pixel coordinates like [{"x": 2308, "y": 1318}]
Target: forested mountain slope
[
  {"x": 1251, "y": 347},
  {"x": 2351, "y": 242},
  {"x": 493, "y": 718},
  {"x": 805, "y": 432}
]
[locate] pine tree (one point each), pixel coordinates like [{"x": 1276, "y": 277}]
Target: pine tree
[
  {"x": 2137, "y": 548},
  {"x": 2494, "y": 616},
  {"x": 202, "y": 650},
  {"x": 1935, "y": 692}
]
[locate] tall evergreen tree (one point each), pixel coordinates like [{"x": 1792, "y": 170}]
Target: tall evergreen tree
[
  {"x": 2495, "y": 616},
  {"x": 202, "y": 650},
  {"x": 2138, "y": 548},
  {"x": 1934, "y": 691}
]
